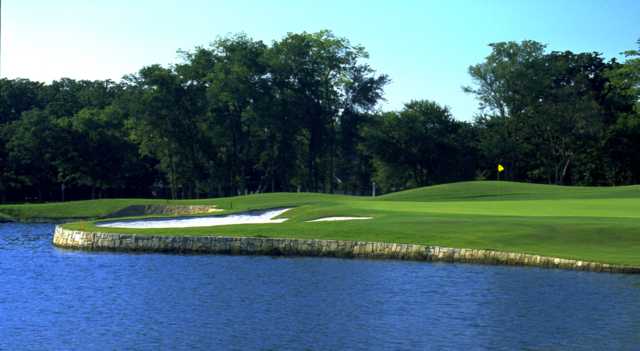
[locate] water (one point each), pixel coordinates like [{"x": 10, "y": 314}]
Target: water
[{"x": 51, "y": 299}]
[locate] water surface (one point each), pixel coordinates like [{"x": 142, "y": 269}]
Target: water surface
[{"x": 52, "y": 299}]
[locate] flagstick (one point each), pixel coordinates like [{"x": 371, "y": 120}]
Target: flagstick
[
  {"x": 499, "y": 183},
  {"x": 499, "y": 187}
]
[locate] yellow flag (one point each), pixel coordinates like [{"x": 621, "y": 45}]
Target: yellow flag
[{"x": 500, "y": 168}]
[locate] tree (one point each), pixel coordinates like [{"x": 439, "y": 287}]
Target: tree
[
  {"x": 99, "y": 145},
  {"x": 626, "y": 77},
  {"x": 318, "y": 76},
  {"x": 508, "y": 81},
  {"x": 236, "y": 97},
  {"x": 566, "y": 122},
  {"x": 18, "y": 96},
  {"x": 32, "y": 149},
  {"x": 544, "y": 112},
  {"x": 420, "y": 145},
  {"x": 301, "y": 113},
  {"x": 623, "y": 135},
  {"x": 164, "y": 125},
  {"x": 362, "y": 91},
  {"x": 506, "y": 84}
]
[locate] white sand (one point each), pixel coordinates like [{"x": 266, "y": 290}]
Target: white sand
[
  {"x": 240, "y": 218},
  {"x": 331, "y": 219}
]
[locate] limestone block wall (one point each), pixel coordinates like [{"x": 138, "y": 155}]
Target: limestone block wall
[{"x": 70, "y": 239}]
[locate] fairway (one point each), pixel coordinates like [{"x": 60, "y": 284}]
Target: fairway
[{"x": 586, "y": 223}]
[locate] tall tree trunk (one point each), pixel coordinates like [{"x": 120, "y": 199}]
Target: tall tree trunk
[
  {"x": 564, "y": 170},
  {"x": 172, "y": 177}
]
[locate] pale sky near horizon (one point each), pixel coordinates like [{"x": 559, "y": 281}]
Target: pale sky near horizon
[{"x": 424, "y": 46}]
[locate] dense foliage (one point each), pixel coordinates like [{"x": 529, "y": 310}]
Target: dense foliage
[{"x": 301, "y": 114}]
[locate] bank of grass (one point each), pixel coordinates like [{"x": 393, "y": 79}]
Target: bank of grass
[
  {"x": 89, "y": 209},
  {"x": 499, "y": 191},
  {"x": 5, "y": 218},
  {"x": 595, "y": 224},
  {"x": 96, "y": 209}
]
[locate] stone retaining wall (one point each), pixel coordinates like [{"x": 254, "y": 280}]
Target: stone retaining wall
[{"x": 299, "y": 247}]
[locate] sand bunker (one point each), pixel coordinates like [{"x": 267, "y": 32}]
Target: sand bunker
[
  {"x": 331, "y": 219},
  {"x": 256, "y": 217}
]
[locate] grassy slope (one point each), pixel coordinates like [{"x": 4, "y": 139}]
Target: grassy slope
[
  {"x": 600, "y": 224},
  {"x": 497, "y": 191},
  {"x": 4, "y": 217},
  {"x": 102, "y": 208}
]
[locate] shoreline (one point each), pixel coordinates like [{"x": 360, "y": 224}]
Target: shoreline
[
  {"x": 44, "y": 220},
  {"x": 102, "y": 241}
]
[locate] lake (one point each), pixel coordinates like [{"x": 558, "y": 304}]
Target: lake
[{"x": 53, "y": 299}]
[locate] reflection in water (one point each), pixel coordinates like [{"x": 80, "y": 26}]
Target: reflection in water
[{"x": 57, "y": 299}]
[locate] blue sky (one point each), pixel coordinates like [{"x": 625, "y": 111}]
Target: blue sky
[{"x": 424, "y": 46}]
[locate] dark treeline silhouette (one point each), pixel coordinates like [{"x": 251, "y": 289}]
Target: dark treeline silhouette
[{"x": 300, "y": 114}]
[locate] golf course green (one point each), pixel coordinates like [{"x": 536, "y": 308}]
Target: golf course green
[{"x": 599, "y": 224}]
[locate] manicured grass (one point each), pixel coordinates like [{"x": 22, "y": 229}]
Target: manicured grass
[
  {"x": 495, "y": 191},
  {"x": 4, "y": 217},
  {"x": 596, "y": 224},
  {"x": 93, "y": 209}
]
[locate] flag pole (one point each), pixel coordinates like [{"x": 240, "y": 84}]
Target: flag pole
[
  {"x": 499, "y": 183},
  {"x": 499, "y": 170}
]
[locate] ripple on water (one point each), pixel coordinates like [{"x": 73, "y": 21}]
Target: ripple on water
[{"x": 56, "y": 299}]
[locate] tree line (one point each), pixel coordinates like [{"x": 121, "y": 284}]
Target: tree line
[{"x": 302, "y": 114}]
